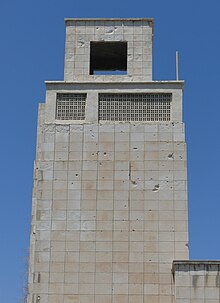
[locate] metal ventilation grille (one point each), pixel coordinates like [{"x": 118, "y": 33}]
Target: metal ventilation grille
[
  {"x": 135, "y": 107},
  {"x": 70, "y": 106}
]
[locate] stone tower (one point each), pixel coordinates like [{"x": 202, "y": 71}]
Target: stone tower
[{"x": 110, "y": 183}]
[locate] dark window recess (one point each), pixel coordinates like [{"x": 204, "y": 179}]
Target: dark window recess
[{"x": 108, "y": 58}]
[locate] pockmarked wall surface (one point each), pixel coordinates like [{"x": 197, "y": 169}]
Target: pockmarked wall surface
[{"x": 106, "y": 223}]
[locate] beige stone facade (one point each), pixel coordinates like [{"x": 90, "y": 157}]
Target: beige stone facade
[{"x": 110, "y": 196}]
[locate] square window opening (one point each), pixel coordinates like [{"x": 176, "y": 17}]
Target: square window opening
[{"x": 108, "y": 58}]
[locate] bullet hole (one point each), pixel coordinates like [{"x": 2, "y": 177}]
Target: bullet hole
[
  {"x": 156, "y": 188},
  {"x": 134, "y": 148},
  {"x": 105, "y": 153},
  {"x": 134, "y": 182},
  {"x": 110, "y": 31},
  {"x": 81, "y": 43},
  {"x": 100, "y": 164},
  {"x": 77, "y": 175},
  {"x": 170, "y": 156}
]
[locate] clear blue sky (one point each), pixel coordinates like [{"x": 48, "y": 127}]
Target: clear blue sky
[{"x": 32, "y": 50}]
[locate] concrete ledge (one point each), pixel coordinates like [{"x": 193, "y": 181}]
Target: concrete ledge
[
  {"x": 196, "y": 262},
  {"x": 195, "y": 265},
  {"x": 117, "y": 84},
  {"x": 109, "y": 19}
]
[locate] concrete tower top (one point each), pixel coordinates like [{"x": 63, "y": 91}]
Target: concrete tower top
[
  {"x": 108, "y": 49},
  {"x": 109, "y": 61}
]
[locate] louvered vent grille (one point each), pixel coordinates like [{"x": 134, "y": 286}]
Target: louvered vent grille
[
  {"x": 70, "y": 106},
  {"x": 135, "y": 107}
]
